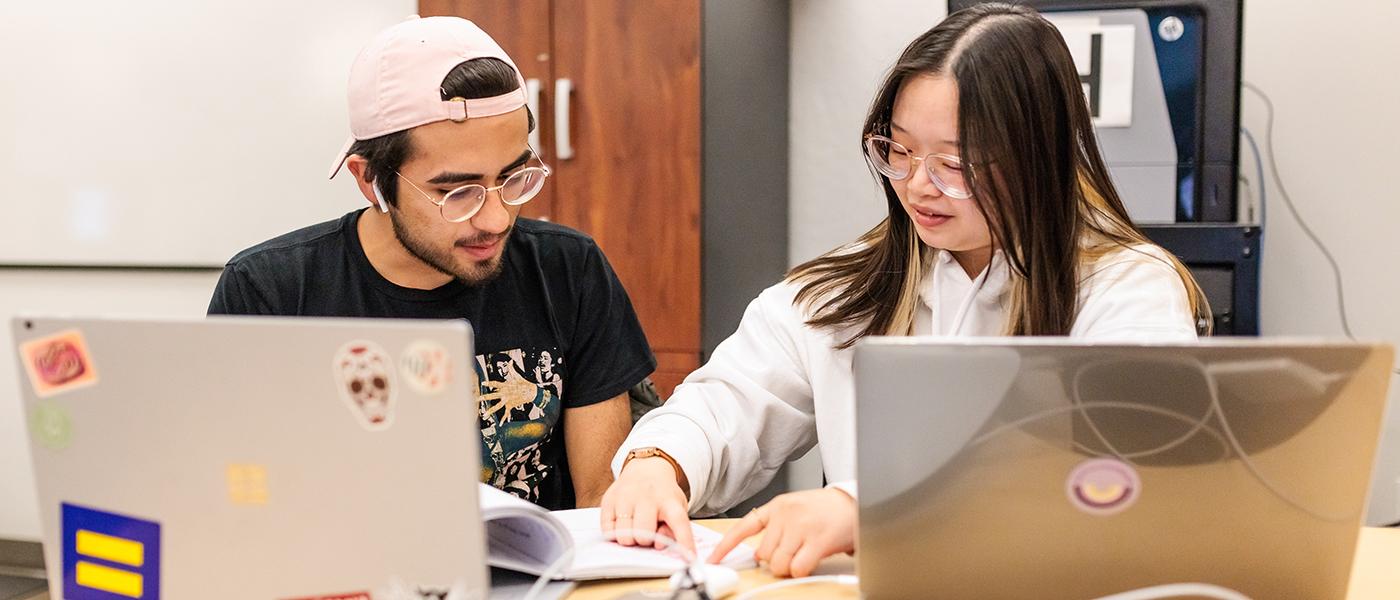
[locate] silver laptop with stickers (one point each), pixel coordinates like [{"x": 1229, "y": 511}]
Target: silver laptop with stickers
[
  {"x": 254, "y": 457},
  {"x": 1044, "y": 469}
]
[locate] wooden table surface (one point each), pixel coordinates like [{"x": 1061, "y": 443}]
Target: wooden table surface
[
  {"x": 1375, "y": 573},
  {"x": 840, "y": 564}
]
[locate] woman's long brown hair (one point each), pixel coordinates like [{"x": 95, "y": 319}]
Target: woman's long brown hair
[{"x": 1033, "y": 164}]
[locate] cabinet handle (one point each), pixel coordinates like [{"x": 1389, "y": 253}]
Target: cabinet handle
[
  {"x": 532, "y": 94},
  {"x": 563, "y": 92}
]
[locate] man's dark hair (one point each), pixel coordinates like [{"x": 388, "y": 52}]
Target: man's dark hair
[{"x": 476, "y": 78}]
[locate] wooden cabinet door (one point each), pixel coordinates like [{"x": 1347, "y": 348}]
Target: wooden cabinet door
[
  {"x": 522, "y": 28},
  {"x": 633, "y": 182}
]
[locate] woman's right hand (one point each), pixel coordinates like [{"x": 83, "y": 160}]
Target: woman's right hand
[{"x": 645, "y": 500}]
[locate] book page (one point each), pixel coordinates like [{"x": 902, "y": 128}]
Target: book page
[
  {"x": 522, "y": 543},
  {"x": 519, "y": 535},
  {"x": 493, "y": 501},
  {"x": 599, "y": 558}
]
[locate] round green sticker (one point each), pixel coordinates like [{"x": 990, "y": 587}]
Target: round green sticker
[{"x": 51, "y": 426}]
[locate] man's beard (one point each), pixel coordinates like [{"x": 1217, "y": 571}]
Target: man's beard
[{"x": 474, "y": 273}]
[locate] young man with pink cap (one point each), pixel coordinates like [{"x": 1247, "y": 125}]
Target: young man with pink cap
[{"x": 439, "y": 151}]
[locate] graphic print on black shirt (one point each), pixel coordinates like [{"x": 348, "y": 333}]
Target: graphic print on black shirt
[
  {"x": 519, "y": 408},
  {"x": 554, "y": 331}
]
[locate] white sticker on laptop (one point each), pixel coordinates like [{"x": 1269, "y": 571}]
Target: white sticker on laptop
[
  {"x": 364, "y": 374},
  {"x": 425, "y": 367},
  {"x": 1103, "y": 486}
]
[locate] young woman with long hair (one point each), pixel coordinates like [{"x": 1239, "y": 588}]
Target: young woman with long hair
[{"x": 1002, "y": 222}]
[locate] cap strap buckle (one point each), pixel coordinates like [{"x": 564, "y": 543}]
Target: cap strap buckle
[{"x": 456, "y": 109}]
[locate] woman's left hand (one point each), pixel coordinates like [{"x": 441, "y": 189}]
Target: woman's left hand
[{"x": 799, "y": 530}]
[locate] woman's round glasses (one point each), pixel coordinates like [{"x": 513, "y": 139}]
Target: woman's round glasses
[
  {"x": 463, "y": 203},
  {"x": 895, "y": 161}
]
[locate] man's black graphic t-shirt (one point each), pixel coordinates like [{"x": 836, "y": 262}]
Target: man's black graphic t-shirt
[{"x": 555, "y": 330}]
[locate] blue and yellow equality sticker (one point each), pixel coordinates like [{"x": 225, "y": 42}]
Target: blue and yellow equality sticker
[{"x": 107, "y": 556}]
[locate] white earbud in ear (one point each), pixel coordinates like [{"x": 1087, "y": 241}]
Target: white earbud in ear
[{"x": 378, "y": 195}]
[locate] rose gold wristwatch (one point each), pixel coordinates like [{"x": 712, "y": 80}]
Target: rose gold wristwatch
[{"x": 653, "y": 451}]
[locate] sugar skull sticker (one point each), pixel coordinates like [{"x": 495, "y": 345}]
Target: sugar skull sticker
[
  {"x": 424, "y": 366},
  {"x": 364, "y": 376},
  {"x": 1103, "y": 486},
  {"x": 58, "y": 363}
]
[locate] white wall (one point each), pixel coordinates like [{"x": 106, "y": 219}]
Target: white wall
[
  {"x": 132, "y": 123},
  {"x": 102, "y": 293},
  {"x": 841, "y": 50},
  {"x": 331, "y": 32},
  {"x": 1331, "y": 70}
]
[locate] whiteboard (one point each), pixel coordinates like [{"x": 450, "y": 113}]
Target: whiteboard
[{"x": 171, "y": 132}]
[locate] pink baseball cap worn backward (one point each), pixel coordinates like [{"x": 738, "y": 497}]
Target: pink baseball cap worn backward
[{"x": 396, "y": 80}]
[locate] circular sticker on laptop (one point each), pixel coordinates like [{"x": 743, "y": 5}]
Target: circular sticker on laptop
[
  {"x": 424, "y": 366},
  {"x": 50, "y": 425},
  {"x": 365, "y": 377},
  {"x": 1103, "y": 486}
]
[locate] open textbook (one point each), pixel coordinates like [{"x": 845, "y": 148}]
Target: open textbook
[{"x": 523, "y": 537}]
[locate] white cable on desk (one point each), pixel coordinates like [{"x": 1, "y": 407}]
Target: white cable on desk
[
  {"x": 850, "y": 580},
  {"x": 568, "y": 556},
  {"x": 1173, "y": 590},
  {"x": 1176, "y": 590},
  {"x": 549, "y": 572}
]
